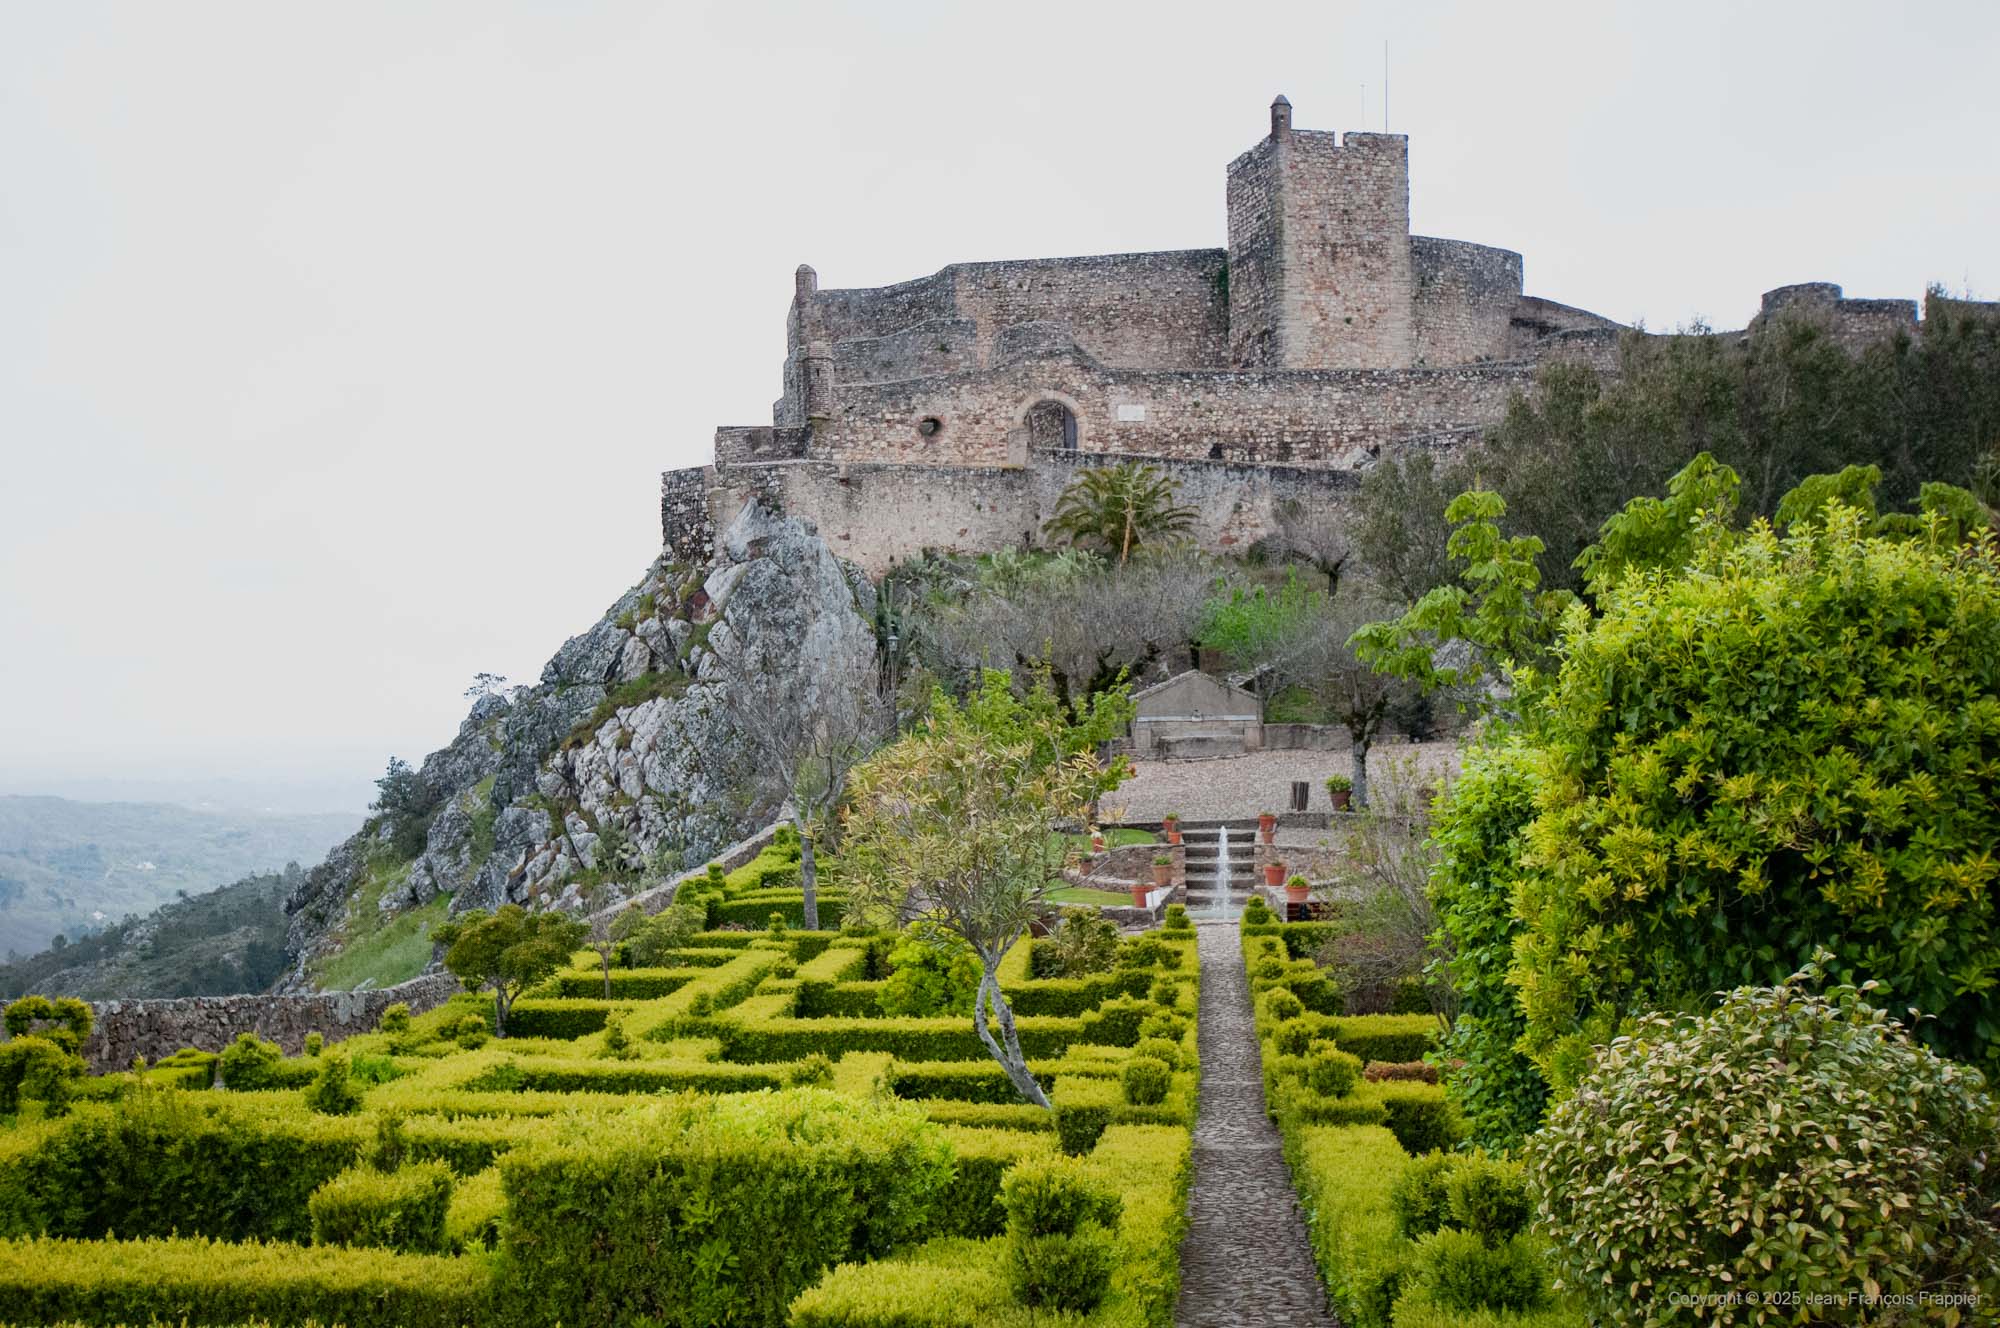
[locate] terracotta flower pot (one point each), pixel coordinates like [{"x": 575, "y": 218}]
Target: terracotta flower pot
[
  {"x": 1097, "y": 843},
  {"x": 1341, "y": 797},
  {"x": 1161, "y": 876},
  {"x": 1274, "y": 873},
  {"x": 1267, "y": 825},
  {"x": 1138, "y": 895},
  {"x": 1297, "y": 894}
]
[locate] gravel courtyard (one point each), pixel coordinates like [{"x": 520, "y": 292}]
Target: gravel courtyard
[{"x": 1235, "y": 787}]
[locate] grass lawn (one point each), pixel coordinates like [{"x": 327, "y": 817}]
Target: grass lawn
[
  {"x": 1115, "y": 838},
  {"x": 1074, "y": 894}
]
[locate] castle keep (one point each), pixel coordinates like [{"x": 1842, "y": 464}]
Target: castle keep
[{"x": 949, "y": 412}]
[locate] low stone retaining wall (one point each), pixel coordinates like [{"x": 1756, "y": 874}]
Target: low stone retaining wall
[
  {"x": 658, "y": 897},
  {"x": 156, "y": 1028}
]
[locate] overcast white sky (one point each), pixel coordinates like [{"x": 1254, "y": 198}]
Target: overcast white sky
[{"x": 341, "y": 344}]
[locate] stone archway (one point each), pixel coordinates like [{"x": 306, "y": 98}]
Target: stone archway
[{"x": 1051, "y": 424}]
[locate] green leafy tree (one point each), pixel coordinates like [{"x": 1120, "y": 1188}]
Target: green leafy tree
[
  {"x": 649, "y": 941},
  {"x": 1498, "y": 615},
  {"x": 508, "y": 950},
  {"x": 1120, "y": 508},
  {"x": 956, "y": 824}
]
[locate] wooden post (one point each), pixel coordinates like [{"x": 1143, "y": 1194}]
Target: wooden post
[{"x": 1301, "y": 793}]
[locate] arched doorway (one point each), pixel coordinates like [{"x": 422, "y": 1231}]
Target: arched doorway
[{"x": 1051, "y": 424}]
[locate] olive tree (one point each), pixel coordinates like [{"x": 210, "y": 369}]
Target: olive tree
[{"x": 957, "y": 824}]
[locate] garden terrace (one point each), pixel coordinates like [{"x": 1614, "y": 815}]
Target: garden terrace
[{"x": 747, "y": 1083}]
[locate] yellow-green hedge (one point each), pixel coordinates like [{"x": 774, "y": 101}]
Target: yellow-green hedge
[{"x": 207, "y": 1282}]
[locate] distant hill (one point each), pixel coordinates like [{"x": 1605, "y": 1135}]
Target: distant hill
[
  {"x": 215, "y": 944},
  {"x": 72, "y": 868}
]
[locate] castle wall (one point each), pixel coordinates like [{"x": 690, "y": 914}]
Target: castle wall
[
  {"x": 1328, "y": 418},
  {"x": 1132, "y": 310},
  {"x": 1855, "y": 324},
  {"x": 1465, "y": 296},
  {"x": 685, "y": 528},
  {"x": 877, "y": 514}
]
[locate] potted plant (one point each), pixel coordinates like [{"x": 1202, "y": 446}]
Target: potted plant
[
  {"x": 1171, "y": 823},
  {"x": 1096, "y": 839},
  {"x": 1341, "y": 790},
  {"x": 1163, "y": 870},
  {"x": 1267, "y": 825},
  {"x": 1297, "y": 890},
  {"x": 1274, "y": 874}
]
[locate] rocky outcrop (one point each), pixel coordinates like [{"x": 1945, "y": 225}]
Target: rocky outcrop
[{"x": 627, "y": 760}]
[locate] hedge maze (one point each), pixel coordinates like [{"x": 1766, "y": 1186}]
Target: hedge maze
[
  {"x": 736, "y": 1134},
  {"x": 1369, "y": 1140}
]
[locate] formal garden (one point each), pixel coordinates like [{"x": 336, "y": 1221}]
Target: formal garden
[{"x": 1674, "y": 1003}]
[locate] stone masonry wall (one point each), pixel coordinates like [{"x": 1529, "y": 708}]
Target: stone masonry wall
[
  {"x": 1345, "y": 246},
  {"x": 1255, "y": 272},
  {"x": 684, "y": 519},
  {"x": 1465, "y": 297},
  {"x": 1326, "y": 418},
  {"x": 1132, "y": 310},
  {"x": 156, "y": 1028},
  {"x": 878, "y": 514}
]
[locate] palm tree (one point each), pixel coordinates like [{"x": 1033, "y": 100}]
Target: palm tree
[{"x": 1120, "y": 507}]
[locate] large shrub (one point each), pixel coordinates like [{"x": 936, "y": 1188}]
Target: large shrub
[
  {"x": 35, "y": 1069},
  {"x": 1789, "y": 745},
  {"x": 1478, "y": 829},
  {"x": 1787, "y": 1142},
  {"x": 1059, "y": 1253},
  {"x": 689, "y": 1209},
  {"x": 933, "y": 973}
]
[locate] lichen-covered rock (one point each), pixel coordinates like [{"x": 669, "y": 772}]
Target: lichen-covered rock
[{"x": 628, "y": 740}]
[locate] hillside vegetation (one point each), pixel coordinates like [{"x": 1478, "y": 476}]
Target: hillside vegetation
[
  {"x": 72, "y": 868},
  {"x": 214, "y": 944}
]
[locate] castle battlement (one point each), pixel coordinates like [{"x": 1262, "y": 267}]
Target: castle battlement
[{"x": 1324, "y": 335}]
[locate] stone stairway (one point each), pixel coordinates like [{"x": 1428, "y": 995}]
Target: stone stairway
[{"x": 1205, "y": 884}]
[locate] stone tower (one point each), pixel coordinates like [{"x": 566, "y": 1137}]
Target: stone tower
[{"x": 1319, "y": 250}]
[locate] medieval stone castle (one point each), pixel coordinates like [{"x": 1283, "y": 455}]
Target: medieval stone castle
[{"x": 949, "y": 412}]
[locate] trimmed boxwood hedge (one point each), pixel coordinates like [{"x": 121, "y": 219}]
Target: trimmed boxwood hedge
[
  {"x": 400, "y": 1210},
  {"x": 563, "y": 1075},
  {"x": 755, "y": 909},
  {"x": 1386, "y": 1037},
  {"x": 955, "y": 1081},
  {"x": 174, "y": 1162},
  {"x": 200, "y": 1281},
  {"x": 957, "y": 1283},
  {"x": 681, "y": 1209},
  {"x": 627, "y": 984},
  {"x": 541, "y": 1017}
]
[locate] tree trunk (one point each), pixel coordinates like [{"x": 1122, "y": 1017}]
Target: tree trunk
[
  {"x": 500, "y": 1003},
  {"x": 808, "y": 881},
  {"x": 1007, "y": 1048},
  {"x": 1357, "y": 753},
  {"x": 605, "y": 955}
]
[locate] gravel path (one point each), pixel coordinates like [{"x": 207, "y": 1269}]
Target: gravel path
[
  {"x": 1245, "y": 1262},
  {"x": 1238, "y": 787}
]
